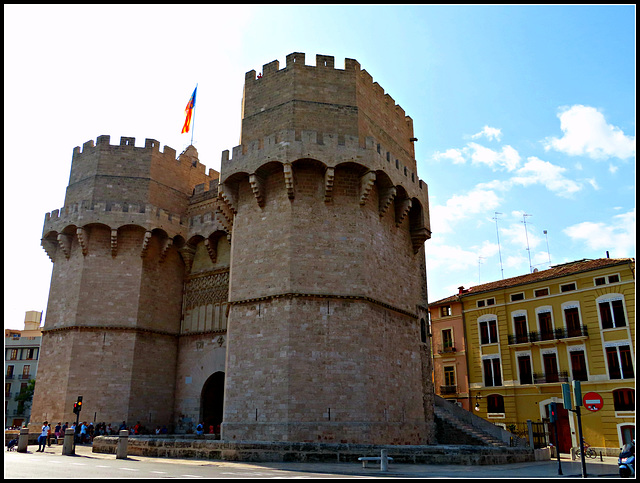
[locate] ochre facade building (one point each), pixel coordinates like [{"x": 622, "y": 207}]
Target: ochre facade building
[{"x": 283, "y": 299}]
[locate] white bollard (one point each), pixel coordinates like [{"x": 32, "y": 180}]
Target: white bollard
[
  {"x": 384, "y": 463},
  {"x": 123, "y": 440}
]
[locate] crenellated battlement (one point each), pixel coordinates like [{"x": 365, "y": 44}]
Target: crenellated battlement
[
  {"x": 131, "y": 174},
  {"x": 332, "y": 149},
  {"x": 125, "y": 142},
  {"x": 325, "y": 67},
  {"x": 114, "y": 214}
]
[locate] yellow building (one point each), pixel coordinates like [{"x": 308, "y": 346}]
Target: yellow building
[{"x": 527, "y": 335}]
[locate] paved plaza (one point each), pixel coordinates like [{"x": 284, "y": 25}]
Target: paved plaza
[{"x": 95, "y": 465}]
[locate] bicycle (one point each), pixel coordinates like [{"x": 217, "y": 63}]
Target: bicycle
[{"x": 589, "y": 452}]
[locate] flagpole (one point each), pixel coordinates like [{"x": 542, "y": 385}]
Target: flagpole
[{"x": 194, "y": 116}]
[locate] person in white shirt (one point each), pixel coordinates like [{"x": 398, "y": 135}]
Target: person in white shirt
[{"x": 42, "y": 439}]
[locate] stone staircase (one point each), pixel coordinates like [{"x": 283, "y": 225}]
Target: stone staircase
[{"x": 451, "y": 430}]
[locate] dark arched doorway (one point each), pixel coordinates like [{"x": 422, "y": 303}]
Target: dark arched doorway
[{"x": 212, "y": 401}]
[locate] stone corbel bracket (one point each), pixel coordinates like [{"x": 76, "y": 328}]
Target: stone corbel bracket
[
  {"x": 288, "y": 180},
  {"x": 64, "y": 242},
  {"x": 366, "y": 184},
  {"x": 211, "y": 250},
  {"x": 145, "y": 244},
  {"x": 114, "y": 243},
  {"x": 385, "y": 199},
  {"x": 82, "y": 240},
  {"x": 188, "y": 253},
  {"x": 328, "y": 184},
  {"x": 257, "y": 186},
  {"x": 165, "y": 248},
  {"x": 402, "y": 209}
]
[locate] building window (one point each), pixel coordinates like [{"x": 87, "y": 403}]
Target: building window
[
  {"x": 612, "y": 313},
  {"x": 495, "y": 403},
  {"x": 9, "y": 372},
  {"x": 624, "y": 400},
  {"x": 579, "y": 366},
  {"x": 445, "y": 310},
  {"x": 489, "y": 331},
  {"x": 26, "y": 370},
  {"x": 541, "y": 292},
  {"x": 423, "y": 331},
  {"x": 608, "y": 279},
  {"x": 568, "y": 287},
  {"x": 486, "y": 302},
  {"x": 13, "y": 354},
  {"x": 517, "y": 296},
  {"x": 7, "y": 390},
  {"x": 619, "y": 362},
  {"x": 447, "y": 340},
  {"x": 546, "y": 327},
  {"x": 524, "y": 367},
  {"x": 522, "y": 332},
  {"x": 31, "y": 353},
  {"x": 449, "y": 376},
  {"x": 492, "y": 374},
  {"x": 572, "y": 321},
  {"x": 550, "y": 363}
]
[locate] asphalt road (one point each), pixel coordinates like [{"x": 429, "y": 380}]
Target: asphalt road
[{"x": 85, "y": 464}]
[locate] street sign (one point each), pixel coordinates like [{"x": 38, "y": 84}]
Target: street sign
[{"x": 593, "y": 401}]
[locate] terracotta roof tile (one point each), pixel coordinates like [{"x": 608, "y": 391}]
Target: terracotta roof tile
[{"x": 555, "y": 271}]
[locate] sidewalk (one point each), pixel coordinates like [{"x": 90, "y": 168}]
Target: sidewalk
[{"x": 541, "y": 469}]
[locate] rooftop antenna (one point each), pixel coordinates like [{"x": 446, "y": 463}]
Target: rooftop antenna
[
  {"x": 498, "y": 236},
  {"x": 548, "y": 252},
  {"x": 524, "y": 220}
]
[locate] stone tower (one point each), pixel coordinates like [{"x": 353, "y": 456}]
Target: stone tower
[
  {"x": 326, "y": 337},
  {"x": 114, "y": 310}
]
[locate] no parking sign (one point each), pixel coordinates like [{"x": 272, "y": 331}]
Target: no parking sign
[{"x": 592, "y": 401}]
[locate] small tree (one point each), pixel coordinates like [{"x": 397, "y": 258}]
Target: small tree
[{"x": 25, "y": 396}]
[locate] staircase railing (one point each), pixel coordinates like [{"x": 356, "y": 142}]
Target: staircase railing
[{"x": 483, "y": 425}]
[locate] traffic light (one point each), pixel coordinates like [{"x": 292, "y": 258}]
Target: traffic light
[
  {"x": 77, "y": 406},
  {"x": 553, "y": 412}
]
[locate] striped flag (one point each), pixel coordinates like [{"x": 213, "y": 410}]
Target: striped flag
[{"x": 191, "y": 105}]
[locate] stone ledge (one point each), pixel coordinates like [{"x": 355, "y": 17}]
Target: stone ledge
[{"x": 181, "y": 446}]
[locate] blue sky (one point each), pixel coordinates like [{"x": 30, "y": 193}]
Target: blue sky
[{"x": 518, "y": 110}]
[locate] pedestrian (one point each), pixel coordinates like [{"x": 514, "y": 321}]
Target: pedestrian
[
  {"x": 109, "y": 429},
  {"x": 211, "y": 429},
  {"x": 49, "y": 435},
  {"x": 83, "y": 432},
  {"x": 199, "y": 429},
  {"x": 58, "y": 429},
  {"x": 42, "y": 439},
  {"x": 164, "y": 429},
  {"x": 123, "y": 425}
]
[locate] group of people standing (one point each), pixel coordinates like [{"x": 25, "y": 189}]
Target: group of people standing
[{"x": 84, "y": 432}]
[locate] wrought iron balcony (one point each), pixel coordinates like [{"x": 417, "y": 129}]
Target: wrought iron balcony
[
  {"x": 556, "y": 334},
  {"x": 448, "y": 390},
  {"x": 446, "y": 349},
  {"x": 560, "y": 376}
]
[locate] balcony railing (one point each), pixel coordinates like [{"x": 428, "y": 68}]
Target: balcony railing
[
  {"x": 561, "y": 376},
  {"x": 560, "y": 333},
  {"x": 445, "y": 349},
  {"x": 448, "y": 390}
]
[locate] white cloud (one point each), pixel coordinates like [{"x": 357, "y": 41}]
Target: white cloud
[
  {"x": 459, "y": 207},
  {"x": 586, "y": 132},
  {"x": 507, "y": 158},
  {"x": 454, "y": 155},
  {"x": 618, "y": 237},
  {"x": 537, "y": 171},
  {"x": 490, "y": 133}
]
